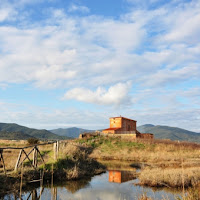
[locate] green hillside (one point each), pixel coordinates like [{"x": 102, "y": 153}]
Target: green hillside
[
  {"x": 15, "y": 131},
  {"x": 167, "y": 132},
  {"x": 70, "y": 132},
  {"x": 14, "y": 136}
]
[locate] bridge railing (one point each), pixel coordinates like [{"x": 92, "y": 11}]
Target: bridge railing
[{"x": 26, "y": 152}]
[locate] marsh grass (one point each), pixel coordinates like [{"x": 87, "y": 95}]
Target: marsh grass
[
  {"x": 190, "y": 194},
  {"x": 170, "y": 177}
]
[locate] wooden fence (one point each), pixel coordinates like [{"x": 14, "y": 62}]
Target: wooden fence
[{"x": 24, "y": 151}]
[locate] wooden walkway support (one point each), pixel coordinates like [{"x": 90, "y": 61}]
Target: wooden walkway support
[
  {"x": 24, "y": 155},
  {"x": 56, "y": 150},
  {"x": 34, "y": 196},
  {"x": 2, "y": 160},
  {"x": 35, "y": 151}
]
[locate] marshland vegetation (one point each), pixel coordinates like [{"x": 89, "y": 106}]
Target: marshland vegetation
[{"x": 163, "y": 163}]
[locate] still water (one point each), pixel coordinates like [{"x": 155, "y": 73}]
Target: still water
[{"x": 115, "y": 184}]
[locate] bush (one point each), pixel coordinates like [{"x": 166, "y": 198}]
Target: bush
[{"x": 33, "y": 141}]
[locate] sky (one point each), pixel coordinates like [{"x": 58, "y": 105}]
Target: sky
[{"x": 76, "y": 63}]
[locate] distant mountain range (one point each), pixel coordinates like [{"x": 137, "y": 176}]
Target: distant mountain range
[
  {"x": 73, "y": 132},
  {"x": 160, "y": 132},
  {"x": 15, "y": 131},
  {"x": 172, "y": 133}
]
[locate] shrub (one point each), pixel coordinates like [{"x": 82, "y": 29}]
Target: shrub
[{"x": 33, "y": 141}]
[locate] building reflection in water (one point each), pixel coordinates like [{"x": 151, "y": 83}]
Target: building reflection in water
[{"x": 121, "y": 176}]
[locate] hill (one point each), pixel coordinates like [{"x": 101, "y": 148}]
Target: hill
[
  {"x": 167, "y": 132},
  {"x": 70, "y": 132},
  {"x": 15, "y": 131},
  {"x": 14, "y": 136}
]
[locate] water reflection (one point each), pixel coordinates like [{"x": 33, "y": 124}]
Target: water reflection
[
  {"x": 121, "y": 176},
  {"x": 100, "y": 187},
  {"x": 33, "y": 195},
  {"x": 74, "y": 186}
]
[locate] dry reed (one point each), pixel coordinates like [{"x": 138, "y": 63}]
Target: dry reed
[{"x": 170, "y": 177}]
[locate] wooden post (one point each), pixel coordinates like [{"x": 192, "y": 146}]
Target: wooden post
[
  {"x": 18, "y": 160},
  {"x": 1, "y": 159},
  {"x": 55, "y": 193},
  {"x": 55, "y": 149},
  {"x": 40, "y": 155},
  {"x": 21, "y": 184},
  {"x": 34, "y": 194},
  {"x": 35, "y": 154}
]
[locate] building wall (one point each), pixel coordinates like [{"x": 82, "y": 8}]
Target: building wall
[
  {"x": 116, "y": 122},
  {"x": 123, "y": 136},
  {"x": 123, "y": 123},
  {"x": 108, "y": 131},
  {"x": 128, "y": 125}
]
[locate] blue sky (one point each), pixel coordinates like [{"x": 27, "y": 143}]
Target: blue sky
[{"x": 77, "y": 63}]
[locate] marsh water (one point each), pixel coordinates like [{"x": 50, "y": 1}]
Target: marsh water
[{"x": 118, "y": 183}]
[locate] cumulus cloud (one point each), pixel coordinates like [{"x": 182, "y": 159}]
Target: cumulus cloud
[
  {"x": 115, "y": 95},
  {"x": 51, "y": 46},
  {"x": 63, "y": 46},
  {"x": 155, "y": 47}
]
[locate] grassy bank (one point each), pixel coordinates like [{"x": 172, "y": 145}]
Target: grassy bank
[{"x": 159, "y": 152}]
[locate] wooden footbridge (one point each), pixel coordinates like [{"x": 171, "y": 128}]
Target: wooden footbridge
[{"x": 26, "y": 152}]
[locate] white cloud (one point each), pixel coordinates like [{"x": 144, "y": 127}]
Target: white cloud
[
  {"x": 172, "y": 76},
  {"x": 7, "y": 12},
  {"x": 75, "y": 8},
  {"x": 187, "y": 118},
  {"x": 62, "y": 47},
  {"x": 193, "y": 92},
  {"x": 183, "y": 24},
  {"x": 47, "y": 117},
  {"x": 155, "y": 49},
  {"x": 51, "y": 118},
  {"x": 115, "y": 95}
]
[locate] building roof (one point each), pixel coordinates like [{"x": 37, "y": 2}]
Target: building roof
[
  {"x": 111, "y": 129},
  {"x": 123, "y": 118}
]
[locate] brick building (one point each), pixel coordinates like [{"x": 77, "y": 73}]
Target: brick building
[
  {"x": 124, "y": 126},
  {"x": 121, "y": 125}
]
